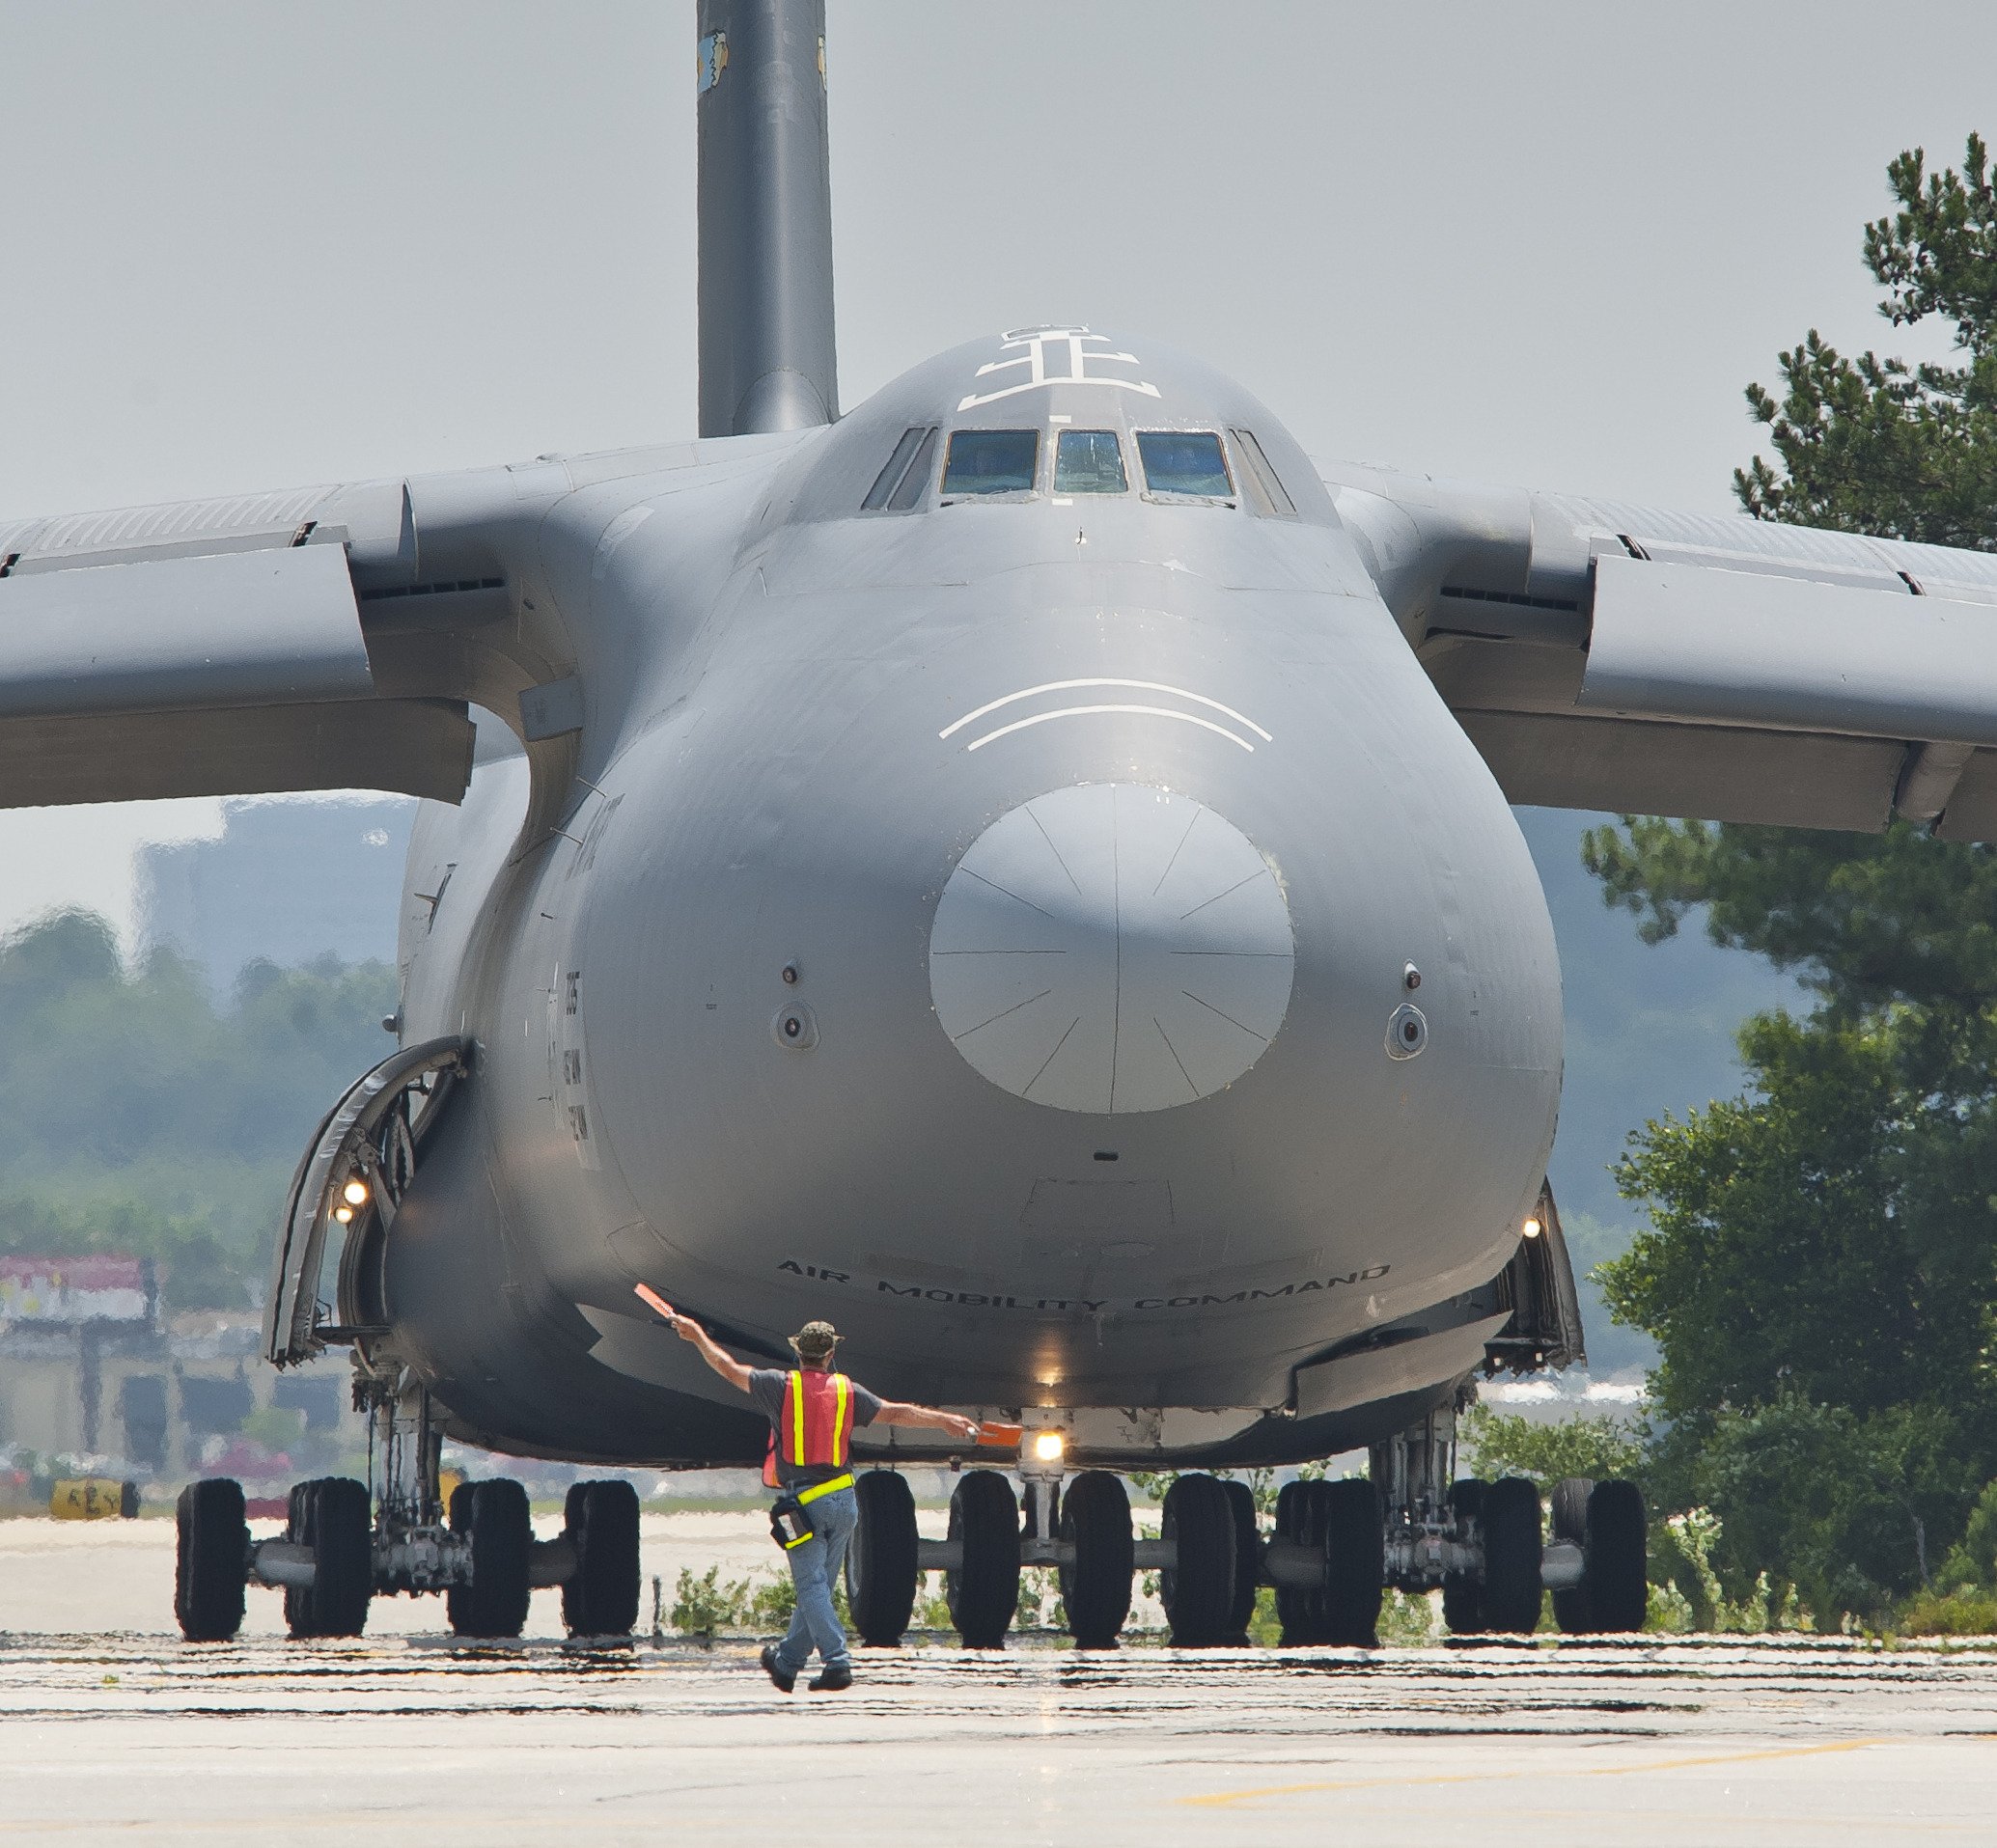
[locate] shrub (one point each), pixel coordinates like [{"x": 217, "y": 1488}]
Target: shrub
[{"x": 1597, "y": 1444}]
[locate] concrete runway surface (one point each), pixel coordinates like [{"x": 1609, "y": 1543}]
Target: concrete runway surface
[
  {"x": 120, "y": 1737},
  {"x": 141, "y": 1738}
]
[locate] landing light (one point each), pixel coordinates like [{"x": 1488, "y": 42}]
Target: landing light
[
  {"x": 1531, "y": 1229},
  {"x": 344, "y": 1214},
  {"x": 1048, "y": 1446},
  {"x": 355, "y": 1192}
]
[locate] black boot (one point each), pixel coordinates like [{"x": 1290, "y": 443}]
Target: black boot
[
  {"x": 785, "y": 1678},
  {"x": 833, "y": 1679}
]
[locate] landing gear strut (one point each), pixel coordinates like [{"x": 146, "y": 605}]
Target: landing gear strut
[{"x": 1480, "y": 1542}]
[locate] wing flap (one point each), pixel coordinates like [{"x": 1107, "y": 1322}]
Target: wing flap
[
  {"x": 267, "y": 626},
  {"x": 1686, "y": 642}
]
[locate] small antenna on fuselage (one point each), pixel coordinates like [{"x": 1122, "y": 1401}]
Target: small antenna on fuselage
[{"x": 765, "y": 218}]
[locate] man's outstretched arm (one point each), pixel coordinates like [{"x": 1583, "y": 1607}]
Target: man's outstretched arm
[
  {"x": 718, "y": 1358},
  {"x": 894, "y": 1412}
]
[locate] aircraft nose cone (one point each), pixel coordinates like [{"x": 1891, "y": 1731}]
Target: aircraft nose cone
[{"x": 1111, "y": 949}]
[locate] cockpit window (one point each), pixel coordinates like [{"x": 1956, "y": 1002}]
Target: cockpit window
[
  {"x": 917, "y": 476},
  {"x": 1267, "y": 493},
  {"x": 1088, "y": 463},
  {"x": 1187, "y": 462},
  {"x": 991, "y": 462},
  {"x": 901, "y": 483},
  {"x": 889, "y": 478}
]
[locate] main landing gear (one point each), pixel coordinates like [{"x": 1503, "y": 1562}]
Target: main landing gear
[
  {"x": 1335, "y": 1550},
  {"x": 1086, "y": 1533},
  {"x": 344, "y": 1543}
]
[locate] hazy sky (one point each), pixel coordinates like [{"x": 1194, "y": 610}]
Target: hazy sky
[{"x": 255, "y": 245}]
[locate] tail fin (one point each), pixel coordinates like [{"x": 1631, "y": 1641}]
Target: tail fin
[{"x": 765, "y": 218}]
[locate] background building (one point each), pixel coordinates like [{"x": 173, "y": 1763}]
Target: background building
[{"x": 287, "y": 882}]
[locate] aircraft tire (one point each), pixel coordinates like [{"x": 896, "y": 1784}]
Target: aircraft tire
[
  {"x": 1292, "y": 1605},
  {"x": 1355, "y": 1547},
  {"x": 1573, "y": 1606},
  {"x": 1199, "y": 1590},
  {"x": 1315, "y": 1525},
  {"x": 1247, "y": 1557},
  {"x": 1511, "y": 1556},
  {"x": 1095, "y": 1590},
  {"x": 600, "y": 1523},
  {"x": 1615, "y": 1558},
  {"x": 212, "y": 1544},
  {"x": 299, "y": 1529},
  {"x": 333, "y": 1515},
  {"x": 881, "y": 1573},
  {"x": 495, "y": 1514},
  {"x": 984, "y": 1593},
  {"x": 1462, "y": 1595}
]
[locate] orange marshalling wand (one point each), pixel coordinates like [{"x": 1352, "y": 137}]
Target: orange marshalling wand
[{"x": 654, "y": 1300}]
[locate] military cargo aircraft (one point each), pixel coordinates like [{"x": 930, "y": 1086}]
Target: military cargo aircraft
[{"x": 1023, "y": 869}]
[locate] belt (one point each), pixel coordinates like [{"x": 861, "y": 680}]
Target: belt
[{"x": 818, "y": 1489}]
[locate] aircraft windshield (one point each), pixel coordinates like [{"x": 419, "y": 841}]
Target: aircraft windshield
[
  {"x": 991, "y": 462},
  {"x": 1088, "y": 463},
  {"x": 1185, "y": 462}
]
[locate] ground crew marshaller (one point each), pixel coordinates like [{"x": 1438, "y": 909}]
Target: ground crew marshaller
[{"x": 812, "y": 1413}]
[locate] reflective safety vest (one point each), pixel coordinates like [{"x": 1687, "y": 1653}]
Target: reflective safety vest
[{"x": 816, "y": 1427}]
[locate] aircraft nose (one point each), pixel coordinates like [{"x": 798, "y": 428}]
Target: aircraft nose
[{"x": 1111, "y": 948}]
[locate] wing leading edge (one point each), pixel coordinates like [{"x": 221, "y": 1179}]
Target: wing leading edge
[{"x": 1606, "y": 656}]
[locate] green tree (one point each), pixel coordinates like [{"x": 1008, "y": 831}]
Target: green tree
[
  {"x": 1820, "y": 1272},
  {"x": 137, "y": 1115},
  {"x": 1873, "y": 445}
]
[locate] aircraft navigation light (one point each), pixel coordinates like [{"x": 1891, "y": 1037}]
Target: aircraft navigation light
[
  {"x": 1048, "y": 1446},
  {"x": 1531, "y": 1229},
  {"x": 355, "y": 1192},
  {"x": 344, "y": 1213}
]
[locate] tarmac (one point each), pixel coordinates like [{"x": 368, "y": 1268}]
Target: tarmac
[{"x": 128, "y": 1734}]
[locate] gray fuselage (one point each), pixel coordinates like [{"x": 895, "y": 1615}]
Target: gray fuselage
[{"x": 803, "y": 718}]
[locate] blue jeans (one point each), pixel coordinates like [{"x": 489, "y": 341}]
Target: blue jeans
[{"x": 814, "y": 1567}]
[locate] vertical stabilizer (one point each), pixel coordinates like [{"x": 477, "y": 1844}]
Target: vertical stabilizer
[{"x": 765, "y": 213}]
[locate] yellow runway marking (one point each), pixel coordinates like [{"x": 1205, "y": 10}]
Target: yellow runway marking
[{"x": 1219, "y": 1799}]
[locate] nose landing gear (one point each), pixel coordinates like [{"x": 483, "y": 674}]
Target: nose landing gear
[{"x": 1081, "y": 1526}]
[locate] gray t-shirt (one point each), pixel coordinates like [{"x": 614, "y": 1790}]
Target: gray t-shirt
[{"x": 766, "y": 1386}]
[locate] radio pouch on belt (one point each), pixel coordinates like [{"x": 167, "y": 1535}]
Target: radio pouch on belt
[
  {"x": 789, "y": 1520},
  {"x": 789, "y": 1523}
]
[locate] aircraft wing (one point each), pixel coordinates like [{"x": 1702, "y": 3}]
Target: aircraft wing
[
  {"x": 1606, "y": 656},
  {"x": 213, "y": 648},
  {"x": 319, "y": 638}
]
